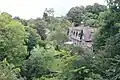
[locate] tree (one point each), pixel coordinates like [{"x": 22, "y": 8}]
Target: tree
[
  {"x": 109, "y": 29},
  {"x": 8, "y": 71},
  {"x": 23, "y": 21},
  {"x": 89, "y": 8},
  {"x": 91, "y": 17},
  {"x": 40, "y": 26},
  {"x": 55, "y": 35},
  {"x": 79, "y": 68},
  {"x": 12, "y": 36},
  {"x": 114, "y": 5},
  {"x": 5, "y": 18},
  {"x": 97, "y": 8},
  {"x": 75, "y": 14},
  {"x": 46, "y": 17},
  {"x": 92, "y": 23},
  {"x": 108, "y": 61},
  {"x": 38, "y": 64},
  {"x": 49, "y": 11},
  {"x": 108, "y": 42},
  {"x": 112, "y": 45},
  {"x": 81, "y": 14},
  {"x": 33, "y": 39}
]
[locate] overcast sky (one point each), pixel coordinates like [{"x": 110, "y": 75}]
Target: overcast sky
[{"x": 35, "y": 8}]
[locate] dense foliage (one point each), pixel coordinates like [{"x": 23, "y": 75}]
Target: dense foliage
[
  {"x": 86, "y": 15},
  {"x": 34, "y": 49}
]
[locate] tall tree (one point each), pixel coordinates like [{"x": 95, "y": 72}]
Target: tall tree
[
  {"x": 23, "y": 21},
  {"x": 9, "y": 72},
  {"x": 75, "y": 14},
  {"x": 12, "y": 36},
  {"x": 40, "y": 26},
  {"x": 111, "y": 18},
  {"x": 38, "y": 64}
]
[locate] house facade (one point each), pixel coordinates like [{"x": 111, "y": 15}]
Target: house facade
[{"x": 81, "y": 35}]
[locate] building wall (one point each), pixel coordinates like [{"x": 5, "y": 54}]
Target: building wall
[{"x": 86, "y": 40}]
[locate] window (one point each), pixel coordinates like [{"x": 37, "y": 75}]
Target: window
[{"x": 76, "y": 33}]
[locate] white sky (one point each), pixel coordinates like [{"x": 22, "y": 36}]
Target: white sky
[{"x": 35, "y": 8}]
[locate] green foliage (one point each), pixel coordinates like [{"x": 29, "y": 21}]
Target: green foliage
[
  {"x": 33, "y": 38},
  {"x": 40, "y": 26},
  {"x": 88, "y": 15},
  {"x": 93, "y": 76},
  {"x": 44, "y": 78},
  {"x": 75, "y": 14},
  {"x": 73, "y": 49},
  {"x": 5, "y": 18},
  {"x": 114, "y": 5},
  {"x": 96, "y": 8},
  {"x": 107, "y": 63},
  {"x": 91, "y": 20},
  {"x": 12, "y": 36},
  {"x": 8, "y": 71},
  {"x": 23, "y": 21},
  {"x": 55, "y": 35},
  {"x": 113, "y": 45},
  {"x": 38, "y": 64},
  {"x": 46, "y": 17},
  {"x": 108, "y": 29},
  {"x": 92, "y": 23},
  {"x": 108, "y": 42},
  {"x": 34, "y": 49},
  {"x": 79, "y": 68}
]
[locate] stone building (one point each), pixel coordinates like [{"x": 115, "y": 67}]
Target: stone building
[{"x": 81, "y": 35}]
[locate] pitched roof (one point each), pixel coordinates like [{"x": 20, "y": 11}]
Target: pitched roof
[{"x": 87, "y": 34}]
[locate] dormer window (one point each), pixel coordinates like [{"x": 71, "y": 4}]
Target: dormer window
[
  {"x": 76, "y": 33},
  {"x": 81, "y": 34}
]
